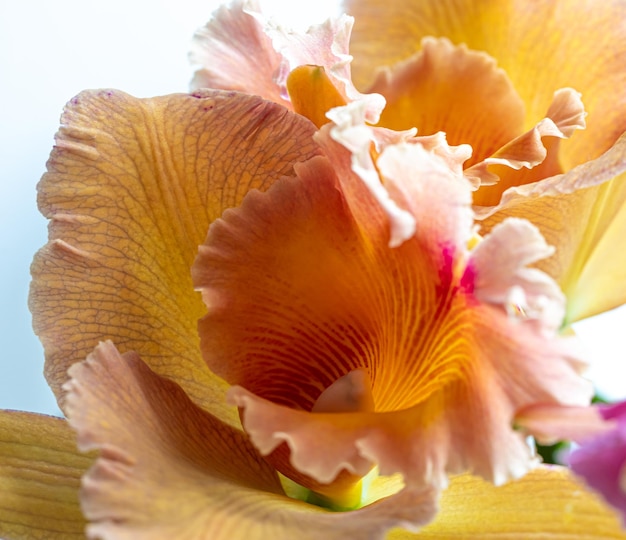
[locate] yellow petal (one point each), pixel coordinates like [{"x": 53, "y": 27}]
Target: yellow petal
[
  {"x": 131, "y": 188},
  {"x": 555, "y": 44},
  {"x": 582, "y": 214},
  {"x": 167, "y": 469},
  {"x": 546, "y": 503},
  {"x": 40, "y": 470}
]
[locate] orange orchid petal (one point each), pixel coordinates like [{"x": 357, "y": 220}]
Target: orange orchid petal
[
  {"x": 546, "y": 503},
  {"x": 542, "y": 46},
  {"x": 452, "y": 89},
  {"x": 537, "y": 150},
  {"x": 312, "y": 93},
  {"x": 40, "y": 470},
  {"x": 581, "y": 214},
  {"x": 233, "y": 52},
  {"x": 302, "y": 289},
  {"x": 131, "y": 189},
  {"x": 167, "y": 469}
]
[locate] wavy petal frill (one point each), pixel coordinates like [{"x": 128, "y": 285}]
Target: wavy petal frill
[
  {"x": 309, "y": 72},
  {"x": 303, "y": 289},
  {"x": 581, "y": 213},
  {"x": 233, "y": 52},
  {"x": 40, "y": 471},
  {"x": 515, "y": 122},
  {"x": 581, "y": 46},
  {"x": 131, "y": 188},
  {"x": 167, "y": 469}
]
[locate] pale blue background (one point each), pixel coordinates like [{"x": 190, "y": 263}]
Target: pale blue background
[{"x": 49, "y": 51}]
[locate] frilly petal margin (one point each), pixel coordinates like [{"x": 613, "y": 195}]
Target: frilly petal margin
[
  {"x": 581, "y": 213},
  {"x": 167, "y": 469},
  {"x": 302, "y": 288},
  {"x": 40, "y": 470},
  {"x": 449, "y": 88},
  {"x": 131, "y": 188},
  {"x": 239, "y": 41},
  {"x": 233, "y": 52},
  {"x": 582, "y": 46},
  {"x": 546, "y": 503}
]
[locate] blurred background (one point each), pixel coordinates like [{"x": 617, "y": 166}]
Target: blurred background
[{"x": 50, "y": 51}]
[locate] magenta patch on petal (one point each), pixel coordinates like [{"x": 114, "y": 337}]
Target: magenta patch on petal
[
  {"x": 614, "y": 412},
  {"x": 468, "y": 279},
  {"x": 446, "y": 270}
]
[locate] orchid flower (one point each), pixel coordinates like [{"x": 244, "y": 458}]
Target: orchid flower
[
  {"x": 364, "y": 358},
  {"x": 409, "y": 362},
  {"x": 509, "y": 80}
]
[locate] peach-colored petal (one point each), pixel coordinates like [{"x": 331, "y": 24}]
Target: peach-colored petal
[
  {"x": 546, "y": 503},
  {"x": 167, "y": 469},
  {"x": 452, "y": 89},
  {"x": 549, "y": 424},
  {"x": 131, "y": 189},
  {"x": 364, "y": 142},
  {"x": 233, "y": 52},
  {"x": 439, "y": 201},
  {"x": 40, "y": 470},
  {"x": 503, "y": 277},
  {"x": 581, "y": 214},
  {"x": 350, "y": 130},
  {"x": 302, "y": 289},
  {"x": 542, "y": 46}
]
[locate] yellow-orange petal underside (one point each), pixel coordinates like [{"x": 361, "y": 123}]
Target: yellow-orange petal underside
[
  {"x": 40, "y": 471},
  {"x": 131, "y": 188},
  {"x": 541, "y": 45},
  {"x": 546, "y": 503},
  {"x": 167, "y": 469}
]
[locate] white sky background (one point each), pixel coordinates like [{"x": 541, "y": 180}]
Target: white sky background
[{"x": 50, "y": 51}]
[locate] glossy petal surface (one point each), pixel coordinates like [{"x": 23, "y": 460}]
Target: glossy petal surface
[
  {"x": 40, "y": 470},
  {"x": 131, "y": 188}
]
